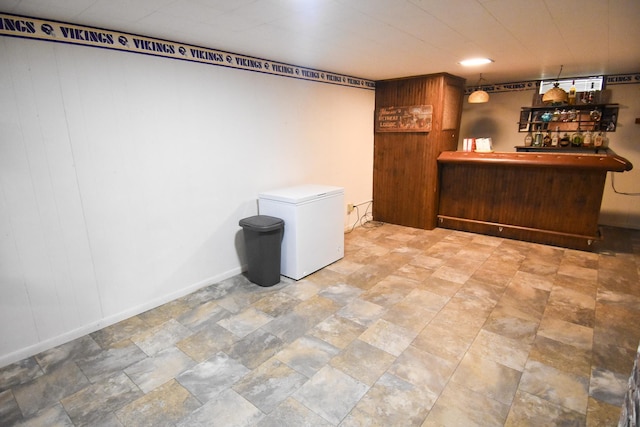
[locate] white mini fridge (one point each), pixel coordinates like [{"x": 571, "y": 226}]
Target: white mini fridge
[{"x": 313, "y": 226}]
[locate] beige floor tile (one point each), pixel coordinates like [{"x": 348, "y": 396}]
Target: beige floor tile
[
  {"x": 412, "y": 327},
  {"x": 424, "y": 370},
  {"x": 10, "y": 413},
  {"x": 578, "y": 271},
  {"x": 391, "y": 402},
  {"x": 160, "y": 337},
  {"x": 443, "y": 342},
  {"x": 487, "y": 377},
  {"x": 563, "y": 389},
  {"x": 204, "y": 344},
  {"x": 509, "y": 352},
  {"x": 532, "y": 411},
  {"x": 230, "y": 409},
  {"x": 113, "y": 334},
  {"x": 388, "y": 337},
  {"x": 512, "y": 323},
  {"x": 50, "y": 416},
  {"x": 292, "y": 413},
  {"x": 96, "y": 404},
  {"x": 572, "y": 306},
  {"x": 569, "y": 333},
  {"x": 609, "y": 387},
  {"x": 390, "y": 291},
  {"x": 337, "y": 331},
  {"x": 459, "y": 406},
  {"x": 267, "y": 386},
  {"x": 362, "y": 312},
  {"x": 602, "y": 414},
  {"x": 363, "y": 362},
  {"x": 153, "y": 371},
  {"x": 307, "y": 355},
  {"x": 163, "y": 406},
  {"x": 49, "y": 388},
  {"x": 245, "y": 322},
  {"x": 208, "y": 379},
  {"x": 562, "y": 356},
  {"x": 331, "y": 393},
  {"x": 21, "y": 372},
  {"x": 203, "y": 316},
  {"x": 414, "y": 272}
]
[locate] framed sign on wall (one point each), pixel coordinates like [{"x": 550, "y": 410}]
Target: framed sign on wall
[{"x": 414, "y": 118}]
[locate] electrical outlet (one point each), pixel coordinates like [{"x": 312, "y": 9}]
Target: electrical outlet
[{"x": 350, "y": 208}]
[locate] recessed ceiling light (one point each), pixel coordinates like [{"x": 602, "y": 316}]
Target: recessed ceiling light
[{"x": 475, "y": 61}]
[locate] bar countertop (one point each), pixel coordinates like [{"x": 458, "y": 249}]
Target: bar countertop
[{"x": 609, "y": 161}]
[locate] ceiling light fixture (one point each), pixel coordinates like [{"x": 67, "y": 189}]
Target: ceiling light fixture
[
  {"x": 475, "y": 61},
  {"x": 556, "y": 95},
  {"x": 479, "y": 96}
]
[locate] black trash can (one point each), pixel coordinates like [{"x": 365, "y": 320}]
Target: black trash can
[{"x": 263, "y": 240}]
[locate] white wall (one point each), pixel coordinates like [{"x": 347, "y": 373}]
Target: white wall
[
  {"x": 498, "y": 119},
  {"x": 123, "y": 178}
]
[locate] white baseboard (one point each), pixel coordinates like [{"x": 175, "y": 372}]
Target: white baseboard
[{"x": 32, "y": 350}]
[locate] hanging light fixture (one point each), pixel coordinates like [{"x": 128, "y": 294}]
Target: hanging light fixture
[
  {"x": 479, "y": 96},
  {"x": 556, "y": 95}
]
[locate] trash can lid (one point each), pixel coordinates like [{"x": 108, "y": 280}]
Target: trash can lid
[{"x": 262, "y": 223}]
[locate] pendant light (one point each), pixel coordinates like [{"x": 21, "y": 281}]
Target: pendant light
[
  {"x": 479, "y": 96},
  {"x": 556, "y": 95}
]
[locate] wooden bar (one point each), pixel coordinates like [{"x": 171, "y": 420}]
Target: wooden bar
[{"x": 549, "y": 198}]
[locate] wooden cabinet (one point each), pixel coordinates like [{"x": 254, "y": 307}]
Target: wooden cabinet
[
  {"x": 568, "y": 118},
  {"x": 405, "y": 169}
]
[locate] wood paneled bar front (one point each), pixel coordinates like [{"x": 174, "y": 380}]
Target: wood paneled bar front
[{"x": 549, "y": 198}]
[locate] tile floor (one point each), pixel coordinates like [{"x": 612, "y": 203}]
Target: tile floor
[{"x": 411, "y": 328}]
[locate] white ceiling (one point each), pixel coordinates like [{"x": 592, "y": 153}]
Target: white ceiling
[{"x": 381, "y": 39}]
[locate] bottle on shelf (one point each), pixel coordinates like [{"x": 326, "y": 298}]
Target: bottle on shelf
[
  {"x": 565, "y": 141},
  {"x": 528, "y": 139},
  {"x": 555, "y": 139},
  {"x": 591, "y": 95},
  {"x": 588, "y": 139},
  {"x": 577, "y": 138},
  {"x": 537, "y": 138},
  {"x": 546, "y": 140},
  {"x": 597, "y": 140},
  {"x": 572, "y": 93}
]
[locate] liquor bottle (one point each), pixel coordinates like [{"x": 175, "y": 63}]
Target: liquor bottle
[
  {"x": 555, "y": 139},
  {"x": 597, "y": 140},
  {"x": 546, "y": 140},
  {"x": 577, "y": 138},
  {"x": 565, "y": 140},
  {"x": 572, "y": 93},
  {"x": 528, "y": 139},
  {"x": 588, "y": 139},
  {"x": 537, "y": 138},
  {"x": 591, "y": 95}
]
